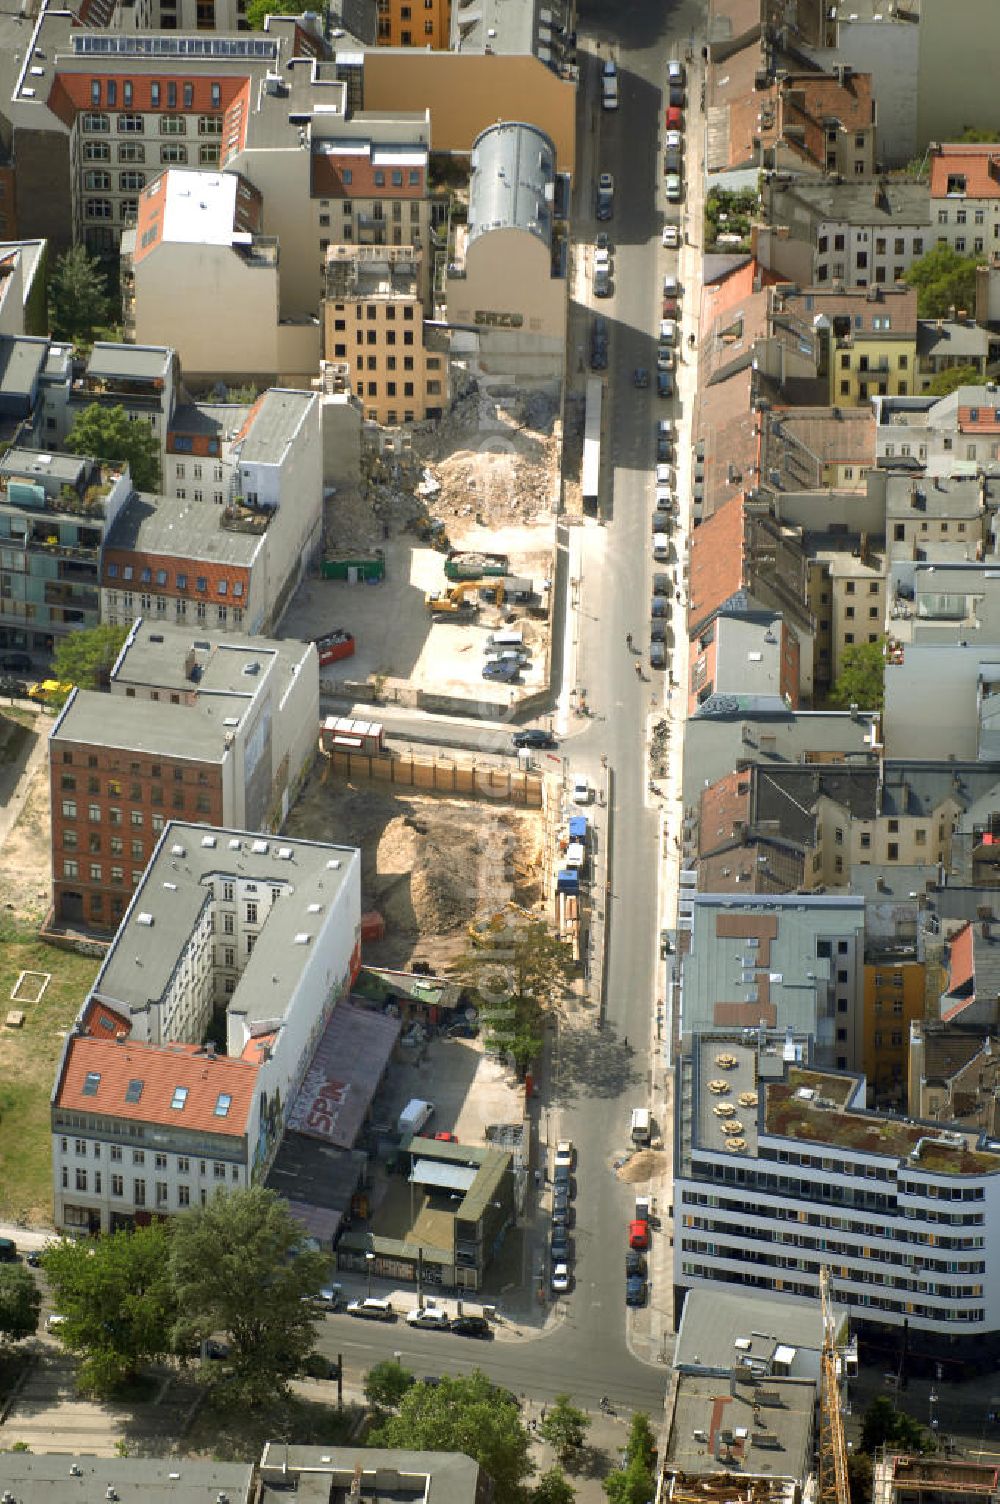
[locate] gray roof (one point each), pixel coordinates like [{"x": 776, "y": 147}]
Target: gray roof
[
  {"x": 918, "y": 788},
  {"x": 714, "y": 744},
  {"x": 779, "y": 1435},
  {"x": 183, "y": 529},
  {"x": 78, "y": 1478},
  {"x": 788, "y": 795},
  {"x": 505, "y": 26},
  {"x": 43, "y": 464},
  {"x": 165, "y": 656},
  {"x": 948, "y": 337},
  {"x": 889, "y": 882},
  {"x": 221, "y": 420},
  {"x": 713, "y": 1320},
  {"x": 513, "y": 165},
  {"x": 274, "y": 423},
  {"x": 805, "y": 203},
  {"x": 140, "y": 964},
  {"x": 194, "y": 731},
  {"x": 21, "y": 360},
  {"x": 917, "y": 498},
  {"x": 130, "y": 362},
  {"x": 388, "y": 1475}
]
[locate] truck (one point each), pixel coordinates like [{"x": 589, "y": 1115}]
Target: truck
[
  {"x": 467, "y": 565},
  {"x": 332, "y": 646},
  {"x": 454, "y": 602},
  {"x": 642, "y": 1126},
  {"x": 341, "y": 733},
  {"x": 415, "y": 1115}
]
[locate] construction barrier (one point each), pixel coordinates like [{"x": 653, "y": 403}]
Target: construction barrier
[{"x": 432, "y": 776}]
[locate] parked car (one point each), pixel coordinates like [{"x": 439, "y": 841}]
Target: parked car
[
  {"x": 560, "y": 1279},
  {"x": 665, "y": 358},
  {"x": 582, "y": 793},
  {"x": 657, "y": 655},
  {"x": 562, "y": 1207},
  {"x": 471, "y": 1326},
  {"x": 372, "y": 1308},
  {"x": 661, "y": 582},
  {"x": 8, "y": 1251},
  {"x": 662, "y": 522},
  {"x": 431, "y": 1316},
  {"x": 668, "y": 332},
  {"x": 609, "y": 68},
  {"x": 664, "y": 441},
  {"x": 559, "y": 1245},
  {"x": 663, "y": 499},
  {"x": 640, "y": 377},
  {"x": 638, "y": 1234},
  {"x": 635, "y": 1290},
  {"x": 502, "y": 669},
  {"x": 664, "y": 473},
  {"x": 565, "y": 1153},
  {"x": 664, "y": 384},
  {"x": 562, "y": 1176},
  {"x": 602, "y": 282},
  {"x": 446, "y": 1138},
  {"x": 675, "y": 95},
  {"x": 658, "y": 631},
  {"x": 599, "y": 344},
  {"x": 675, "y": 71},
  {"x": 671, "y": 237},
  {"x": 634, "y": 1262},
  {"x": 602, "y": 258},
  {"x": 13, "y": 689},
  {"x": 673, "y": 117},
  {"x": 670, "y": 308},
  {"x": 661, "y": 547},
  {"x": 671, "y": 286},
  {"x": 602, "y": 242},
  {"x": 659, "y": 605},
  {"x": 330, "y": 1298},
  {"x": 672, "y": 185},
  {"x": 534, "y": 736},
  {"x": 605, "y": 196}
]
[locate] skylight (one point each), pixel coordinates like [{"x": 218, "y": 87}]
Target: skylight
[
  {"x": 91, "y": 1083},
  {"x": 179, "y": 1098},
  {"x": 223, "y": 1105},
  {"x": 134, "y": 1091}
]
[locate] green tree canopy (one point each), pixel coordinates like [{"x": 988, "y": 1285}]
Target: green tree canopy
[
  {"x": 107, "y": 433},
  {"x": 553, "y": 1487},
  {"x": 238, "y": 1266},
  {"x": 258, "y": 9},
  {"x": 518, "y": 968},
  {"x": 943, "y": 279},
  {"x": 78, "y": 295},
  {"x": 883, "y": 1424},
  {"x": 564, "y": 1427},
  {"x": 861, "y": 680},
  {"x": 951, "y": 379},
  {"x": 116, "y": 1297},
  {"x": 87, "y": 658},
  {"x": 465, "y": 1415},
  {"x": 386, "y": 1383},
  {"x": 633, "y": 1484},
  {"x": 641, "y": 1441},
  {"x": 20, "y": 1302}
]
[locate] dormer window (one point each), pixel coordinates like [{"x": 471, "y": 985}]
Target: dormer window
[{"x": 956, "y": 182}]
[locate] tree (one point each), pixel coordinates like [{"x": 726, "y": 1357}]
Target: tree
[
  {"x": 633, "y": 1484},
  {"x": 859, "y": 1477},
  {"x": 951, "y": 379},
  {"x": 883, "y": 1424},
  {"x": 107, "y": 433},
  {"x": 943, "y": 280},
  {"x": 258, "y": 9},
  {"x": 564, "y": 1427},
  {"x": 237, "y": 1265},
  {"x": 78, "y": 295},
  {"x": 974, "y": 134},
  {"x": 386, "y": 1383},
  {"x": 641, "y": 1443},
  {"x": 465, "y": 1415},
  {"x": 20, "y": 1302},
  {"x": 553, "y": 1487},
  {"x": 87, "y": 658},
  {"x": 861, "y": 680},
  {"x": 116, "y": 1297},
  {"x": 518, "y": 966}
]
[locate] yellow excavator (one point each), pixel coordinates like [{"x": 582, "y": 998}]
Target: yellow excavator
[{"x": 453, "y": 602}]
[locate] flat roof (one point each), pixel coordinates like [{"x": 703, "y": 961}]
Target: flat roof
[
  {"x": 181, "y": 529},
  {"x": 747, "y": 1429},
  {"x": 713, "y": 1321},
  {"x": 205, "y": 663},
  {"x": 21, "y": 362},
  {"x": 273, "y": 424},
  {"x": 21, "y": 463},
  {"x": 388, "y": 1476},
  {"x": 199, "y": 207},
  {"x": 197, "y": 731},
  {"x": 174, "y": 890},
  {"x": 130, "y": 362},
  {"x": 80, "y": 1478},
  {"x": 443, "y": 1177}
]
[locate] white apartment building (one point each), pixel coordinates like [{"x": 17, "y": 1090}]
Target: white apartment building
[
  {"x": 820, "y": 233},
  {"x": 259, "y": 935},
  {"x": 954, "y": 435},
  {"x": 779, "y": 1170}
]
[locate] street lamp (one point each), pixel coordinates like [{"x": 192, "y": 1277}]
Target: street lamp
[{"x": 370, "y": 1261}]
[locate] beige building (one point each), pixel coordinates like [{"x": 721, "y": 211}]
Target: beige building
[
  {"x": 506, "y": 285},
  {"x": 197, "y": 273},
  {"x": 373, "y": 320},
  {"x": 847, "y": 597}
]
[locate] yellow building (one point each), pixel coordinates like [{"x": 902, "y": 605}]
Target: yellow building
[
  {"x": 414, "y": 23},
  {"x": 373, "y": 320},
  {"x": 847, "y": 598},
  {"x": 864, "y": 339},
  {"x": 894, "y": 998}
]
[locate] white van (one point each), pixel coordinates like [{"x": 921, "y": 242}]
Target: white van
[
  {"x": 641, "y": 1125},
  {"x": 609, "y": 98},
  {"x": 512, "y": 637},
  {"x": 415, "y": 1116}
]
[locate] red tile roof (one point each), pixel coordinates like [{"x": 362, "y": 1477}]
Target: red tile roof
[
  {"x": 723, "y": 803},
  {"x": 716, "y": 560},
  {"x": 961, "y": 960},
  {"x": 977, "y": 162},
  {"x": 161, "y": 1070},
  {"x": 100, "y": 1021}
]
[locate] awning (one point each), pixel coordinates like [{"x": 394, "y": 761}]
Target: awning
[
  {"x": 344, "y": 1075},
  {"x": 443, "y": 1176}
]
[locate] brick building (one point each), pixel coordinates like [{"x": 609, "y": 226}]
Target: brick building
[{"x": 213, "y": 729}]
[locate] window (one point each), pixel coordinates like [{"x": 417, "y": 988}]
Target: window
[
  {"x": 210, "y": 125},
  {"x": 131, "y": 151},
  {"x": 188, "y": 96},
  {"x": 69, "y": 809},
  {"x": 139, "y": 1192},
  {"x": 131, "y": 182},
  {"x": 173, "y": 125},
  {"x": 98, "y": 208},
  {"x": 183, "y": 1195},
  {"x": 216, "y": 96},
  {"x": 130, "y": 125},
  {"x": 81, "y": 1180},
  {"x": 117, "y": 1185},
  {"x": 208, "y": 156},
  {"x": 251, "y": 913},
  {"x": 95, "y": 123}
]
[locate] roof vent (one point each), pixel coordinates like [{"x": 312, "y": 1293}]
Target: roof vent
[
  {"x": 208, "y": 841},
  {"x": 259, "y": 848},
  {"x": 251, "y": 668},
  {"x": 333, "y": 865},
  {"x": 314, "y": 908},
  {"x": 177, "y": 851},
  {"x": 231, "y": 720},
  {"x": 285, "y": 853},
  {"x": 302, "y": 938},
  {"x": 171, "y": 887},
  {"x": 145, "y": 919},
  {"x": 235, "y": 844}
]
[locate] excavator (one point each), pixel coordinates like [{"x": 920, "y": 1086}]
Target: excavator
[{"x": 453, "y": 602}]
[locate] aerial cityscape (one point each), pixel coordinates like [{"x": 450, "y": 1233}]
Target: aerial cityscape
[{"x": 499, "y": 769}]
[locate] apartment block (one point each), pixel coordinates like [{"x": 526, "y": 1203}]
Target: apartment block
[
  {"x": 847, "y": 597},
  {"x": 212, "y": 728},
  {"x": 952, "y": 1070},
  {"x": 56, "y": 511},
  {"x": 201, "y": 231},
  {"x": 777, "y": 962},
  {"x": 202, "y": 444},
  {"x": 149, "y": 1115},
  {"x": 965, "y": 196},
  {"x": 373, "y": 320},
  {"x": 824, "y": 233},
  {"x": 184, "y": 559},
  {"x": 895, "y": 996},
  {"x": 954, "y": 435},
  {"x": 780, "y": 1170},
  {"x": 23, "y": 267},
  {"x": 403, "y": 23}
]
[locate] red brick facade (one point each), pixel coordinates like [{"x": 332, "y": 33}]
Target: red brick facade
[
  {"x": 198, "y": 581},
  {"x": 109, "y": 805}
]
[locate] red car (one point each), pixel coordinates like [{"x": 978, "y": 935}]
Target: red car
[
  {"x": 638, "y": 1235},
  {"x": 446, "y": 1138},
  {"x": 673, "y": 118},
  {"x": 671, "y": 308}
]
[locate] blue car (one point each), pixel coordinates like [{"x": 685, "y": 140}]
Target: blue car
[
  {"x": 507, "y": 673},
  {"x": 635, "y": 1290}
]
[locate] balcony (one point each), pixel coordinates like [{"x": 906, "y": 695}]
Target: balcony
[{"x": 90, "y": 502}]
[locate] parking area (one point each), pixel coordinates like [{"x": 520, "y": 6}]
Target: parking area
[
  {"x": 470, "y": 1090},
  {"x": 400, "y": 642}
]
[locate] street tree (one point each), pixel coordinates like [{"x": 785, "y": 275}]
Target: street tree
[
  {"x": 518, "y": 968},
  {"x": 884, "y": 1424},
  {"x": 553, "y": 1487},
  {"x": 117, "y": 1300},
  {"x": 20, "y": 1302},
  {"x": 87, "y": 658},
  {"x": 861, "y": 680},
  {"x": 107, "y": 433},
  {"x": 237, "y": 1265},
  {"x": 564, "y": 1427},
  {"x": 386, "y": 1383},
  {"x": 641, "y": 1443},
  {"x": 468, "y": 1415},
  {"x": 943, "y": 280},
  {"x": 950, "y": 380},
  {"x": 78, "y": 295},
  {"x": 633, "y": 1484}
]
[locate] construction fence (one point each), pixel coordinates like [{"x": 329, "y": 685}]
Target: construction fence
[{"x": 460, "y": 777}]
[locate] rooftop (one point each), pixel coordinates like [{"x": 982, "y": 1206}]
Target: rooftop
[
  {"x": 803, "y": 204},
  {"x": 718, "y": 1329},
  {"x": 744, "y": 1431},
  {"x": 273, "y": 423},
  {"x": 370, "y": 271},
  {"x": 176, "y": 887},
  {"x": 205, "y": 664},
  {"x": 720, "y": 735},
  {"x": 512, "y": 179},
  {"x": 802, "y": 447},
  {"x": 199, "y": 732},
  {"x": 752, "y": 864},
  {"x": 386, "y": 1476},
  {"x": 965, "y": 169},
  {"x": 197, "y": 208},
  {"x": 786, "y": 797},
  {"x": 852, "y": 313},
  {"x": 80, "y": 1479},
  {"x": 179, "y": 529},
  {"x": 109, "y": 362},
  {"x": 21, "y": 361}
]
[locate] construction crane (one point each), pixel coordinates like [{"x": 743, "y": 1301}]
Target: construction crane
[{"x": 834, "y": 1487}]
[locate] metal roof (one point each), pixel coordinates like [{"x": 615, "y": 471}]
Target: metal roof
[
  {"x": 512, "y": 183},
  {"x": 444, "y": 1177}
]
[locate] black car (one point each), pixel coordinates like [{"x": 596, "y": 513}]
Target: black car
[
  {"x": 13, "y": 689},
  {"x": 471, "y": 1326},
  {"x": 661, "y": 582},
  {"x": 664, "y": 384},
  {"x": 657, "y": 655},
  {"x": 658, "y": 631},
  {"x": 640, "y": 377},
  {"x": 562, "y": 1209},
  {"x": 664, "y": 446},
  {"x": 535, "y": 737},
  {"x": 659, "y": 605},
  {"x": 19, "y": 662},
  {"x": 635, "y": 1290},
  {"x": 635, "y": 1263},
  {"x": 562, "y": 1178},
  {"x": 559, "y": 1245}
]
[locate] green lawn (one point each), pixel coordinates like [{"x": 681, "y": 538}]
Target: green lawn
[{"x": 28, "y": 1059}]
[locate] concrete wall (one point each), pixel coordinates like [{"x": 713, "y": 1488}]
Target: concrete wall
[
  {"x": 945, "y": 676},
  {"x": 468, "y": 92},
  {"x": 509, "y": 272},
  {"x": 296, "y": 529},
  {"x": 340, "y": 423},
  {"x": 888, "y": 51},
  {"x": 439, "y": 778},
  {"x": 959, "y": 60},
  {"x": 44, "y": 199}
]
